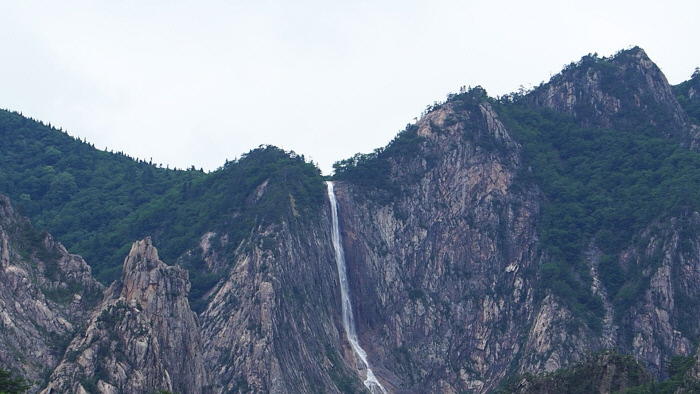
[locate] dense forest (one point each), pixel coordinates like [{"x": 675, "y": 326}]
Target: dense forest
[
  {"x": 97, "y": 202},
  {"x": 74, "y": 191}
]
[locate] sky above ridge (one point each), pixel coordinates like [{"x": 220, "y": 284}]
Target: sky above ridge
[{"x": 197, "y": 83}]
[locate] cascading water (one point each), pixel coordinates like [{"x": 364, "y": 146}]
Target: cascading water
[{"x": 371, "y": 381}]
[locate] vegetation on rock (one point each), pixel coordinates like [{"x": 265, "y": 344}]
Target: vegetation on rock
[
  {"x": 9, "y": 384},
  {"x": 605, "y": 372}
]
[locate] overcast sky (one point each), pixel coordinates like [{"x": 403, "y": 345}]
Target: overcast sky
[{"x": 196, "y": 83}]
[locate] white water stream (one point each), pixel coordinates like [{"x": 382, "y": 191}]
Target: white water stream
[{"x": 371, "y": 381}]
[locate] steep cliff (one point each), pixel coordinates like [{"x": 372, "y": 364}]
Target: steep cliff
[
  {"x": 272, "y": 323},
  {"x": 492, "y": 238},
  {"x": 624, "y": 91},
  {"x": 143, "y": 338},
  {"x": 473, "y": 261},
  {"x": 444, "y": 271},
  {"x": 646, "y": 278},
  {"x": 46, "y": 296}
]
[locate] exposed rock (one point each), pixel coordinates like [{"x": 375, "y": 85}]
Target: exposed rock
[
  {"x": 143, "y": 338},
  {"x": 443, "y": 275},
  {"x": 273, "y": 324},
  {"x": 662, "y": 321},
  {"x": 46, "y": 295},
  {"x": 625, "y": 91},
  {"x": 446, "y": 269}
]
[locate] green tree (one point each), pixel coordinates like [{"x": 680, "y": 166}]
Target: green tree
[{"x": 11, "y": 385}]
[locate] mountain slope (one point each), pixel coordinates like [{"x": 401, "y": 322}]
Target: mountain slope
[
  {"x": 443, "y": 263},
  {"x": 520, "y": 235},
  {"x": 46, "y": 295},
  {"x": 688, "y": 94},
  {"x": 75, "y": 191},
  {"x": 623, "y": 92}
]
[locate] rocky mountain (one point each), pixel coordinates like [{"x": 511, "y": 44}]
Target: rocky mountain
[
  {"x": 453, "y": 271},
  {"x": 442, "y": 293},
  {"x": 46, "y": 296},
  {"x": 490, "y": 239},
  {"x": 273, "y": 323}
]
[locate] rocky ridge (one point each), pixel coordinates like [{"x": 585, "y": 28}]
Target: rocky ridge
[
  {"x": 447, "y": 271},
  {"x": 626, "y": 90},
  {"x": 143, "y": 337},
  {"x": 441, "y": 272}
]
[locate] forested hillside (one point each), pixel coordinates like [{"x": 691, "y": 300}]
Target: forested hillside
[
  {"x": 603, "y": 186},
  {"x": 97, "y": 202},
  {"x": 75, "y": 191},
  {"x": 688, "y": 94}
]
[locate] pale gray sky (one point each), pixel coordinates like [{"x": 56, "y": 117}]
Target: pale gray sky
[{"x": 195, "y": 83}]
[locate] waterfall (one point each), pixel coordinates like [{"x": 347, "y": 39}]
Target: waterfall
[{"x": 371, "y": 381}]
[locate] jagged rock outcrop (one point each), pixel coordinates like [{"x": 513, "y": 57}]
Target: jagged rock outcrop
[
  {"x": 46, "y": 295},
  {"x": 143, "y": 338},
  {"x": 662, "y": 319}
]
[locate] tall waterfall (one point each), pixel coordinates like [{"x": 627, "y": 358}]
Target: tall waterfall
[{"x": 348, "y": 320}]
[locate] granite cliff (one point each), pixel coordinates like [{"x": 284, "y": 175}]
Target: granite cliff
[
  {"x": 142, "y": 338},
  {"x": 46, "y": 296}
]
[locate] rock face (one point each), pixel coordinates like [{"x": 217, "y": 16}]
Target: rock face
[
  {"x": 444, "y": 275},
  {"x": 273, "y": 323},
  {"x": 46, "y": 295},
  {"x": 662, "y": 322},
  {"x": 628, "y": 90},
  {"x": 143, "y": 338},
  {"x": 447, "y": 271}
]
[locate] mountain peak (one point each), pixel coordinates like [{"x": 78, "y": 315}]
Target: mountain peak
[
  {"x": 149, "y": 282},
  {"x": 143, "y": 256},
  {"x": 626, "y": 91}
]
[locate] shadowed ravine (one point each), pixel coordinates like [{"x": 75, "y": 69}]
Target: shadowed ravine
[{"x": 348, "y": 321}]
